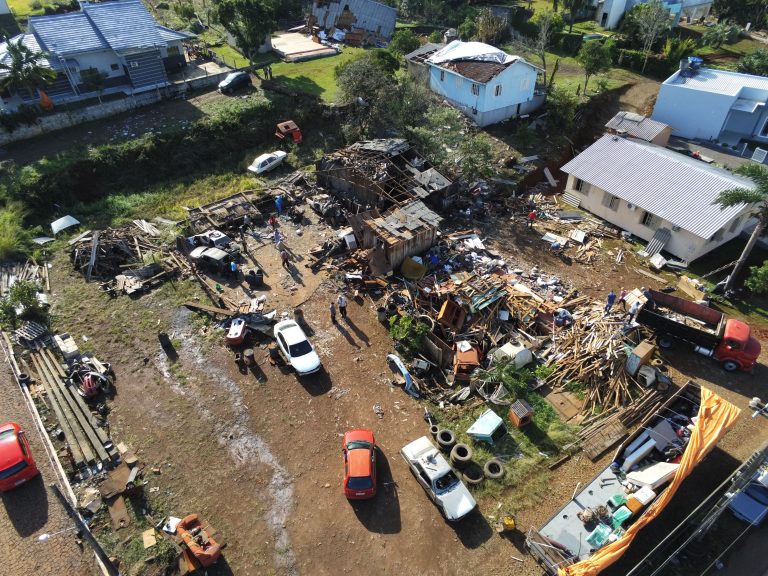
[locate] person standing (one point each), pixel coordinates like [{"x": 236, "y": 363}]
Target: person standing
[
  {"x": 341, "y": 302},
  {"x": 623, "y": 298},
  {"x": 531, "y": 218},
  {"x": 233, "y": 269},
  {"x": 632, "y": 312},
  {"x": 279, "y": 204},
  {"x": 610, "y": 301},
  {"x": 285, "y": 257},
  {"x": 332, "y": 309}
]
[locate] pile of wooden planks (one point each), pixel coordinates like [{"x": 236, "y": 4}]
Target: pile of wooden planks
[
  {"x": 29, "y": 271},
  {"x": 88, "y": 442},
  {"x": 591, "y": 354}
]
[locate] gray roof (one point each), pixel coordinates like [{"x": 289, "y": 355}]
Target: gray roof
[
  {"x": 424, "y": 51},
  {"x": 125, "y": 24},
  {"x": 636, "y": 125},
  {"x": 674, "y": 187},
  {"x": 119, "y": 25},
  {"x": 67, "y": 33}
]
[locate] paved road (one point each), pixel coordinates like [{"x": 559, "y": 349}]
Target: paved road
[{"x": 34, "y": 509}]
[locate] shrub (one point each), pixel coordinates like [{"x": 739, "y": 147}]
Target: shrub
[
  {"x": 35, "y": 5},
  {"x": 756, "y": 62},
  {"x": 184, "y": 11},
  {"x": 436, "y": 37},
  {"x": 568, "y": 43},
  {"x": 561, "y": 105},
  {"x": 162, "y": 6},
  {"x": 658, "y": 65},
  {"x": 49, "y": 10},
  {"x": 758, "y": 279}
]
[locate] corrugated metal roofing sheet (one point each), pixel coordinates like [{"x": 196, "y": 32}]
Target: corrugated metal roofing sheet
[
  {"x": 67, "y": 34},
  {"x": 720, "y": 81},
  {"x": 674, "y": 187},
  {"x": 169, "y": 35},
  {"x": 636, "y": 126},
  {"x": 124, "y": 24},
  {"x": 371, "y": 16}
]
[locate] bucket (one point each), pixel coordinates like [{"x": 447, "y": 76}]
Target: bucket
[
  {"x": 24, "y": 379},
  {"x": 381, "y": 314},
  {"x": 248, "y": 357}
]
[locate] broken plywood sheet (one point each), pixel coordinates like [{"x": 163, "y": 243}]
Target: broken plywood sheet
[
  {"x": 149, "y": 538},
  {"x": 118, "y": 513},
  {"x": 567, "y": 405},
  {"x": 115, "y": 482}
]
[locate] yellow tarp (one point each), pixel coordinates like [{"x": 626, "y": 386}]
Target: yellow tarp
[{"x": 716, "y": 417}]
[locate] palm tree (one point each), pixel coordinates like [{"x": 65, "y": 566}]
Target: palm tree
[
  {"x": 24, "y": 70},
  {"x": 759, "y": 199}
]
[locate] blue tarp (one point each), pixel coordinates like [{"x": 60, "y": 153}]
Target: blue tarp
[{"x": 396, "y": 365}]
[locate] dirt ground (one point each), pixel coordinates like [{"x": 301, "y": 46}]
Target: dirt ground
[{"x": 257, "y": 452}]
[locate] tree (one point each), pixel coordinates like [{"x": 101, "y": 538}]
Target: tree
[
  {"x": 365, "y": 81},
  {"x": 573, "y": 6},
  {"x": 721, "y": 33},
  {"x": 743, "y": 11},
  {"x": 24, "y": 69},
  {"x": 436, "y": 37},
  {"x": 491, "y": 29},
  {"x": 653, "y": 20},
  {"x": 756, "y": 62},
  {"x": 249, "y": 21},
  {"x": 404, "y": 42},
  {"x": 561, "y": 107},
  {"x": 546, "y": 21},
  {"x": 758, "y": 278},
  {"x": 595, "y": 57},
  {"x": 467, "y": 30},
  {"x": 476, "y": 157},
  {"x": 758, "y": 198}
]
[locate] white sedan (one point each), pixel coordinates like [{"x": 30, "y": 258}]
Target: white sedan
[
  {"x": 295, "y": 347},
  {"x": 267, "y": 162}
]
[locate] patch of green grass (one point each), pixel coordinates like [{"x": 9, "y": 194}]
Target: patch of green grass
[
  {"x": 22, "y": 9},
  {"x": 313, "y": 77}
]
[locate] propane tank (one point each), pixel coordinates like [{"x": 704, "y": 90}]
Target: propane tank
[{"x": 704, "y": 351}]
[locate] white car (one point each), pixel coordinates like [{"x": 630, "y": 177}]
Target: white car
[
  {"x": 267, "y": 162},
  {"x": 439, "y": 480},
  {"x": 295, "y": 347}
]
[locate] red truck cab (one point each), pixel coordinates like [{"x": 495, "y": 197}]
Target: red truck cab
[
  {"x": 738, "y": 349},
  {"x": 17, "y": 465}
]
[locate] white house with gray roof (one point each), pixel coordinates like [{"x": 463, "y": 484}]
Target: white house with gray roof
[
  {"x": 656, "y": 194},
  {"x": 118, "y": 39},
  {"x": 708, "y": 104}
]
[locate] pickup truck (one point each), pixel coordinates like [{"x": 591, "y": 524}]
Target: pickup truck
[
  {"x": 727, "y": 340},
  {"x": 439, "y": 480}
]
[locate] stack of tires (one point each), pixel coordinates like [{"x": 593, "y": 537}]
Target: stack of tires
[{"x": 461, "y": 459}]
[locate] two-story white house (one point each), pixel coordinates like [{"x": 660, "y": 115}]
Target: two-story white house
[
  {"x": 117, "y": 42},
  {"x": 709, "y": 104},
  {"x": 483, "y": 82},
  {"x": 656, "y": 194},
  {"x": 609, "y": 13}
]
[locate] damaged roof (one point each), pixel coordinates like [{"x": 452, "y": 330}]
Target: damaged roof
[
  {"x": 636, "y": 125},
  {"x": 679, "y": 189},
  {"x": 402, "y": 224},
  {"x": 372, "y": 16},
  {"x": 423, "y": 52},
  {"x": 474, "y": 60}
]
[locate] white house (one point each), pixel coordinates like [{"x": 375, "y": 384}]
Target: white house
[
  {"x": 711, "y": 104},
  {"x": 485, "y": 83},
  {"x": 610, "y": 13},
  {"x": 118, "y": 40},
  {"x": 658, "y": 195}
]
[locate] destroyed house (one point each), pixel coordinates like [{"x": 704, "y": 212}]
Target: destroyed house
[
  {"x": 400, "y": 233},
  {"x": 485, "y": 83},
  {"x": 656, "y": 194},
  {"x": 637, "y": 126},
  {"x": 358, "y": 18},
  {"x": 381, "y": 174},
  {"x": 416, "y": 61}
]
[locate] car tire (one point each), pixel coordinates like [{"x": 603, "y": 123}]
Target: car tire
[
  {"x": 494, "y": 469},
  {"x": 461, "y": 456},
  {"x": 473, "y": 475},
  {"x": 664, "y": 341},
  {"x": 434, "y": 429},
  {"x": 446, "y": 439},
  {"x": 731, "y": 366}
]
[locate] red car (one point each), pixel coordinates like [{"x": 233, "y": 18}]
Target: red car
[
  {"x": 16, "y": 462},
  {"x": 359, "y": 464}
]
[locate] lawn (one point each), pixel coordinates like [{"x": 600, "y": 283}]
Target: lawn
[
  {"x": 22, "y": 9},
  {"x": 313, "y": 76}
]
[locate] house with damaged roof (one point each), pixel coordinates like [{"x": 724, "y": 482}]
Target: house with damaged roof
[
  {"x": 485, "y": 83},
  {"x": 656, "y": 194}
]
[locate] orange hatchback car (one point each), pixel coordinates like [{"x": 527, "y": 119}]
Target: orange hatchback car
[
  {"x": 16, "y": 462},
  {"x": 359, "y": 464}
]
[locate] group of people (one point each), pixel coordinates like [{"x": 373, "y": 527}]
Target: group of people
[
  {"x": 622, "y": 298},
  {"x": 341, "y": 302}
]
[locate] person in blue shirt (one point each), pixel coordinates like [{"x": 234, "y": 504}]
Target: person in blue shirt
[{"x": 610, "y": 301}]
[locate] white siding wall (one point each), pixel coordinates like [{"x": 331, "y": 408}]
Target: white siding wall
[
  {"x": 682, "y": 244},
  {"x": 692, "y": 113},
  {"x": 102, "y": 61}
]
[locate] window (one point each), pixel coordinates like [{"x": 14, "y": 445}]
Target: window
[
  {"x": 649, "y": 220},
  {"x": 114, "y": 66},
  {"x": 764, "y": 131},
  {"x": 611, "y": 201},
  {"x": 578, "y": 185},
  {"x": 442, "y": 75},
  {"x": 476, "y": 89},
  {"x": 173, "y": 50},
  {"x": 497, "y": 91},
  {"x": 735, "y": 224}
]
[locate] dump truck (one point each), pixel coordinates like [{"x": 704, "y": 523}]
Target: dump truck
[{"x": 726, "y": 340}]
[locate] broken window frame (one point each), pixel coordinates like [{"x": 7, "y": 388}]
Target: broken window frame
[
  {"x": 650, "y": 220},
  {"x": 611, "y": 202},
  {"x": 475, "y": 88},
  {"x": 497, "y": 90},
  {"x": 442, "y": 75}
]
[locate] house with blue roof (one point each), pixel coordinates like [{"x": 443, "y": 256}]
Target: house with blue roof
[{"x": 117, "y": 40}]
